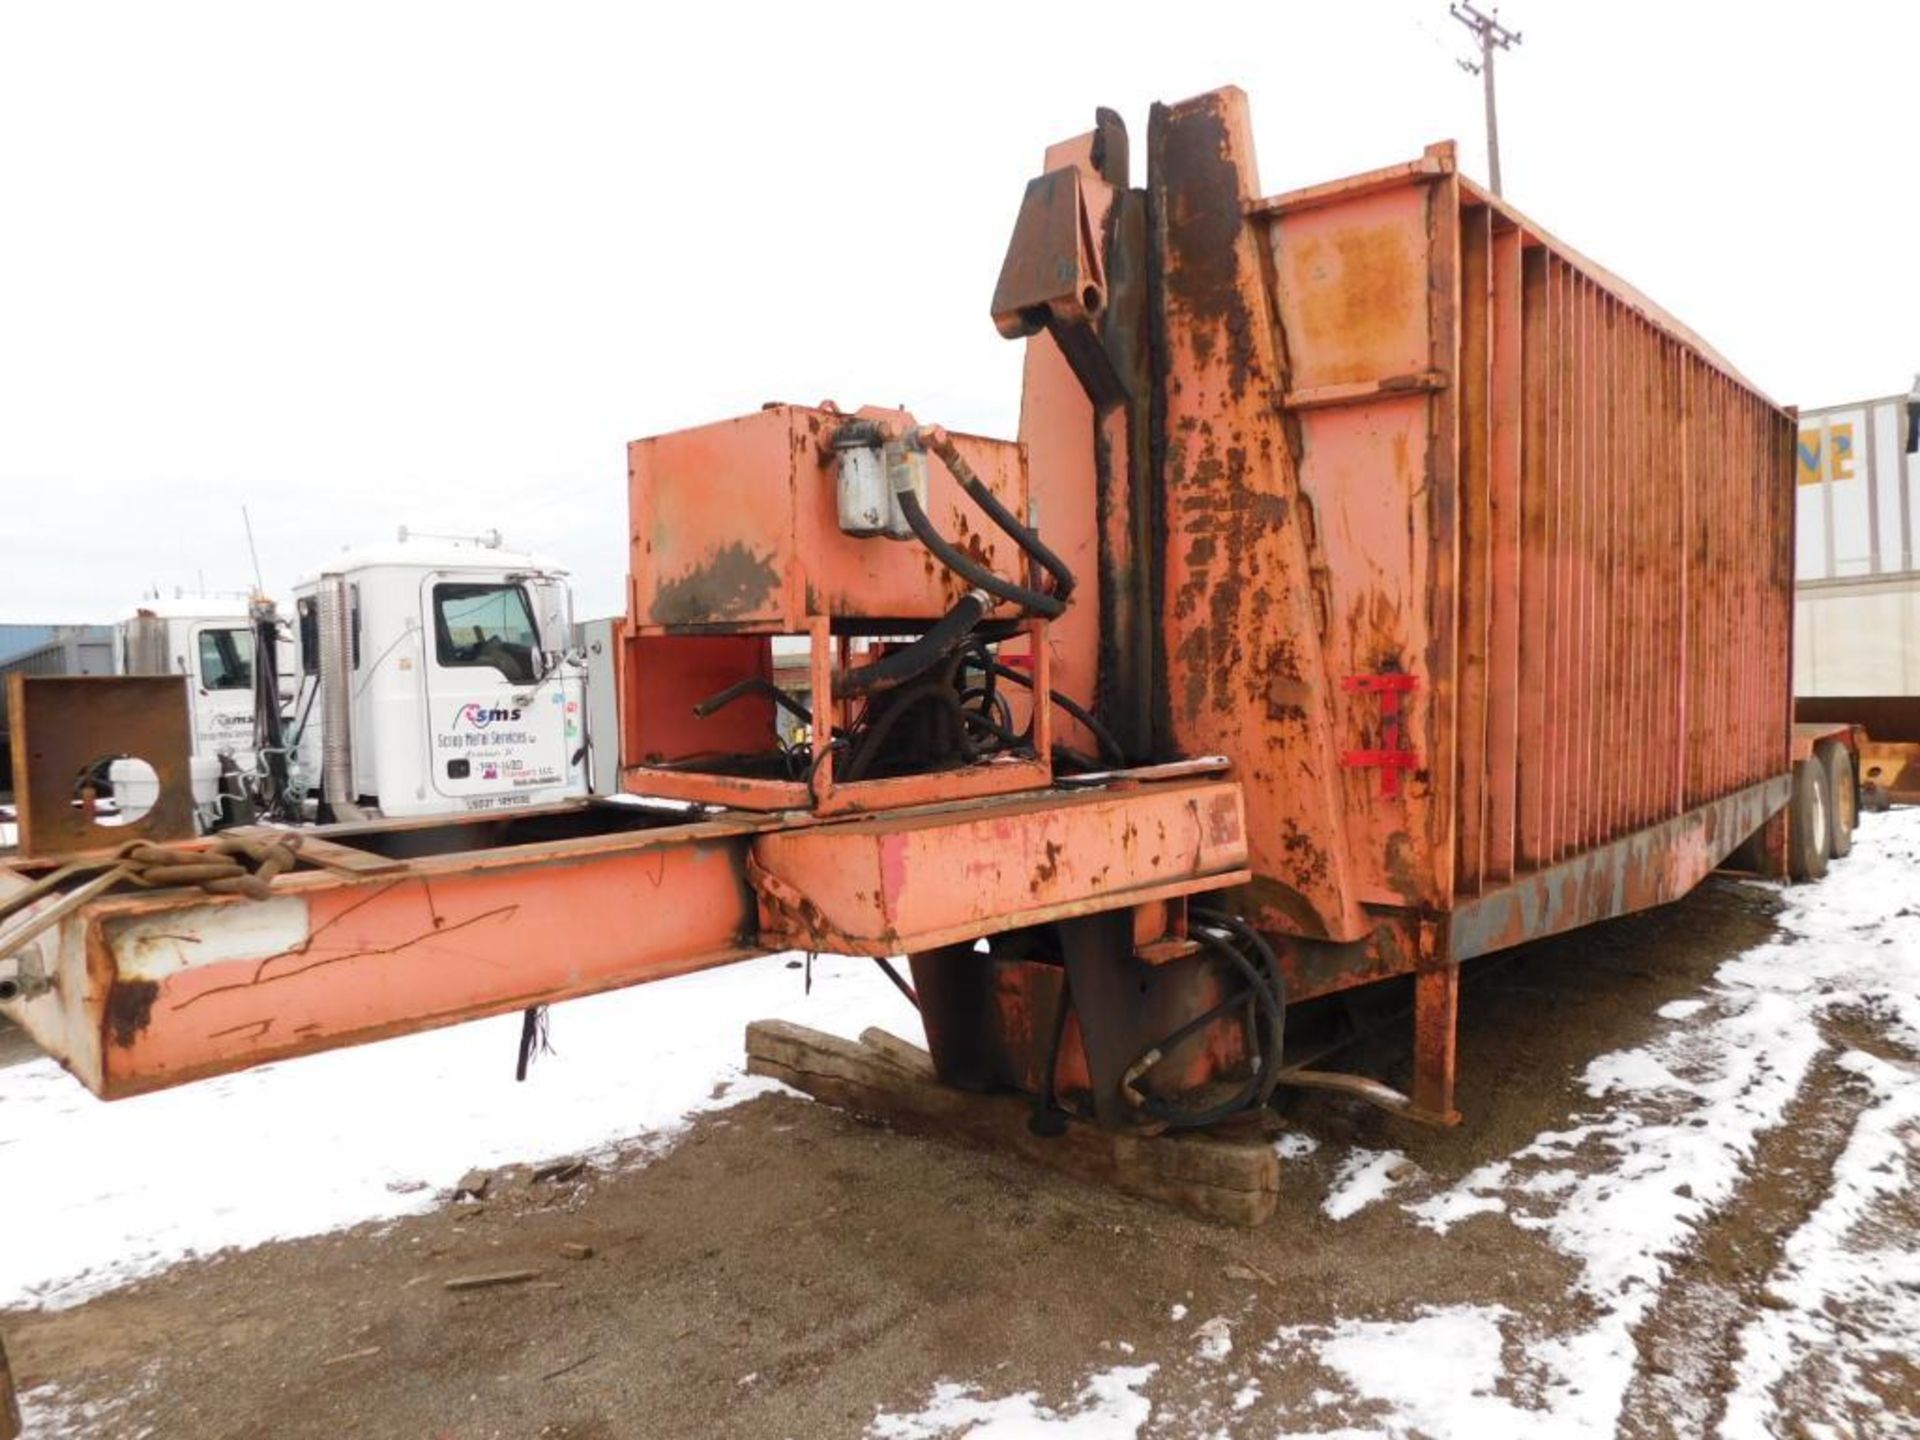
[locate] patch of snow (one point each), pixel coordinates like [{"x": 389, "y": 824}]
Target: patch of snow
[
  {"x": 1216, "y": 1339},
  {"x": 1109, "y": 1406},
  {"x": 47, "y": 1414},
  {"x": 1442, "y": 1212},
  {"x": 307, "y": 1146},
  {"x": 1247, "y": 1395},
  {"x": 1680, "y": 1009},
  {"x": 1438, "y": 1370},
  {"x": 1295, "y": 1145},
  {"x": 1470, "y": 1197},
  {"x": 1364, "y": 1177},
  {"x": 1177, "y": 1312}
]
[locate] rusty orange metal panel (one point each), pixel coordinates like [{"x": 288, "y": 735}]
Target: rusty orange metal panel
[
  {"x": 1363, "y": 469},
  {"x": 1638, "y": 871},
  {"x": 736, "y": 525},
  {"x": 916, "y": 881},
  {"x": 1246, "y": 672},
  {"x": 1056, "y": 421},
  {"x": 1567, "y": 531},
  {"x": 1566, "y": 612},
  {"x": 1441, "y": 643},
  {"x": 1476, "y": 542},
  {"x": 1533, "y": 745},
  {"x": 1506, "y": 429},
  {"x": 168, "y": 986}
]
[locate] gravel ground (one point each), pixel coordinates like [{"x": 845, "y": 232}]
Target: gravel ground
[{"x": 788, "y": 1271}]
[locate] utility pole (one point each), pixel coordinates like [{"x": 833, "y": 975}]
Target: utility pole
[{"x": 1492, "y": 36}]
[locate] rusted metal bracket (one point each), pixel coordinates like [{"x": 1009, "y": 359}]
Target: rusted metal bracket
[
  {"x": 1054, "y": 279},
  {"x": 791, "y": 915},
  {"x": 1320, "y": 397},
  {"x": 1393, "y": 756},
  {"x": 67, "y": 729}
]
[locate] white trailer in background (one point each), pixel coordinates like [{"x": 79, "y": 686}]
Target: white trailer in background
[{"x": 1856, "y": 626}]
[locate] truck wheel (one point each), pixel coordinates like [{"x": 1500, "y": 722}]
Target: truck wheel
[
  {"x": 1837, "y": 760},
  {"x": 1809, "y": 821}
]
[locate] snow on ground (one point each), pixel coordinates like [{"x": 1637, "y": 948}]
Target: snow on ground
[
  {"x": 1623, "y": 1190},
  {"x": 311, "y": 1145},
  {"x": 48, "y": 1413},
  {"x": 1108, "y": 1407},
  {"x": 1365, "y": 1176},
  {"x": 1844, "y": 1260}
]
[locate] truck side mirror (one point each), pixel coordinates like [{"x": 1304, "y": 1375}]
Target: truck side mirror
[{"x": 1913, "y": 417}]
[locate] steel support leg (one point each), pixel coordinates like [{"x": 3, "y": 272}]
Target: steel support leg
[{"x": 1436, "y": 1010}]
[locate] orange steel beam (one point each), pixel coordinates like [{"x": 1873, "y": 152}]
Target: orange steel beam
[{"x": 156, "y": 988}]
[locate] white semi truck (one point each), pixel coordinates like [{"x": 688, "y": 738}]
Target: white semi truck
[
  {"x": 426, "y": 676},
  {"x": 434, "y": 675}
]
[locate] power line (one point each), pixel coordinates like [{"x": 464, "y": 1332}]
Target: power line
[{"x": 1492, "y": 36}]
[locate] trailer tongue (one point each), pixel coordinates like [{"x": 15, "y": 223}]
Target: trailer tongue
[{"x": 1376, "y": 583}]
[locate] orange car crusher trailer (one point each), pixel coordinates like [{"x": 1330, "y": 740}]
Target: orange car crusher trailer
[{"x": 1375, "y": 584}]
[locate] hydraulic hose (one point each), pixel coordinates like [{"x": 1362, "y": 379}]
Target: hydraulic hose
[
  {"x": 1264, "y": 993},
  {"x": 868, "y": 747},
  {"x": 946, "y": 635},
  {"x": 1114, "y": 754},
  {"x": 1269, "y": 963},
  {"x": 933, "y": 438},
  {"x": 753, "y": 685},
  {"x": 1048, "y": 607}
]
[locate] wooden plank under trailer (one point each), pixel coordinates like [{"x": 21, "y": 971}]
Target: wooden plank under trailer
[{"x": 1230, "y": 1177}]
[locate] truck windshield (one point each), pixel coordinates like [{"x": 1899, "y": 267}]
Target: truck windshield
[
  {"x": 226, "y": 659},
  {"x": 486, "y": 625}
]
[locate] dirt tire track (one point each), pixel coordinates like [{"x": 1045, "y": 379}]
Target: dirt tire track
[{"x": 1689, "y": 1343}]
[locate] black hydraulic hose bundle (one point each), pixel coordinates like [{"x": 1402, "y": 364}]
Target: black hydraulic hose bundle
[
  {"x": 1265, "y": 997},
  {"x": 1110, "y": 746},
  {"x": 964, "y": 625}
]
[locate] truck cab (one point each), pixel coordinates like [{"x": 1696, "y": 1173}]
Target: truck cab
[
  {"x": 210, "y": 641},
  {"x": 461, "y": 690}
]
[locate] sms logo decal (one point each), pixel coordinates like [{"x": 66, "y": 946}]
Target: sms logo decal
[{"x": 481, "y": 716}]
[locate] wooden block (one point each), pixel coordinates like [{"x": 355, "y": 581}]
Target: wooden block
[
  {"x": 10, "y": 1422},
  {"x": 1236, "y": 1182},
  {"x": 344, "y": 859},
  {"x": 498, "y": 1277},
  {"x": 902, "y": 1053}
]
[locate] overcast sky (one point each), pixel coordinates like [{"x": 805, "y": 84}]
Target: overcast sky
[{"x": 363, "y": 265}]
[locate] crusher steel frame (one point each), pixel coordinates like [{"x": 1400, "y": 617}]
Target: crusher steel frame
[{"x": 1410, "y": 588}]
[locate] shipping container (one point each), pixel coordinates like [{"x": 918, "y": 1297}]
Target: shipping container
[{"x": 1478, "y": 564}]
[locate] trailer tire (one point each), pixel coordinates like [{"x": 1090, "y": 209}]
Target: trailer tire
[
  {"x": 1809, "y": 821},
  {"x": 1844, "y": 795}
]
